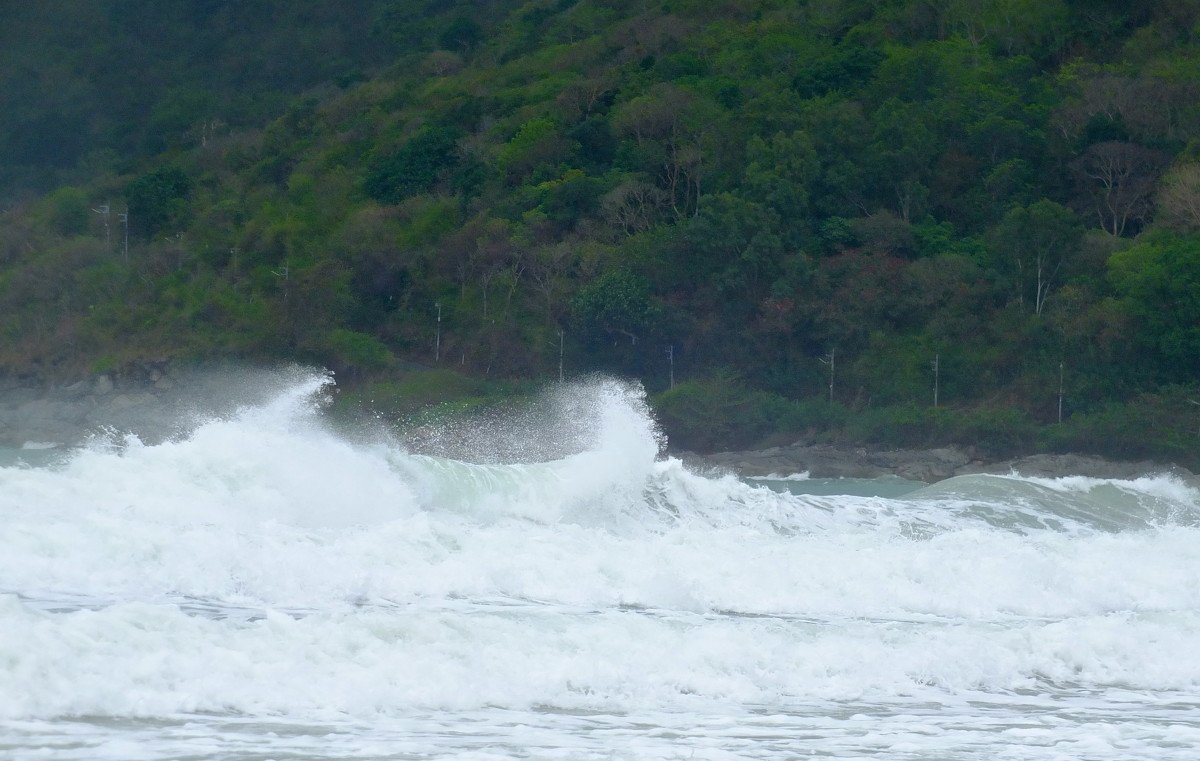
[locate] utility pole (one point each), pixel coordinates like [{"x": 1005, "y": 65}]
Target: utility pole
[
  {"x": 671, "y": 364},
  {"x": 437, "y": 342},
  {"x": 124, "y": 217},
  {"x": 1060, "y": 390},
  {"x": 103, "y": 210},
  {"x": 936, "y": 364},
  {"x": 284, "y": 272},
  {"x": 830, "y": 359}
]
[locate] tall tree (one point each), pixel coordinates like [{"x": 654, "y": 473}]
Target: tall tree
[
  {"x": 1034, "y": 242},
  {"x": 1117, "y": 182}
]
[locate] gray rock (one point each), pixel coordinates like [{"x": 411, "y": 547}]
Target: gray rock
[
  {"x": 79, "y": 388},
  {"x": 15, "y": 397},
  {"x": 823, "y": 461}
]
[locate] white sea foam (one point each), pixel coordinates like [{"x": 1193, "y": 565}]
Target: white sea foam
[
  {"x": 802, "y": 476},
  {"x": 264, "y": 569},
  {"x": 136, "y": 659}
]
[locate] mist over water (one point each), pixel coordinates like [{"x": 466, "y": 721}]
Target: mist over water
[{"x": 548, "y": 585}]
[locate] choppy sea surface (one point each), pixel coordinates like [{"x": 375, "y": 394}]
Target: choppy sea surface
[{"x": 265, "y": 588}]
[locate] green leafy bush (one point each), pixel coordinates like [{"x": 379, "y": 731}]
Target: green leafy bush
[
  {"x": 155, "y": 197},
  {"x": 415, "y": 167},
  {"x": 722, "y": 412},
  {"x": 358, "y": 350}
]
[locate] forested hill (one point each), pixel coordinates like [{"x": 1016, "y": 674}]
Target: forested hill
[{"x": 778, "y": 203}]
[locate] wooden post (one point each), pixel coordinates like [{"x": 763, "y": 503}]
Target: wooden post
[
  {"x": 1060, "y": 391},
  {"x": 937, "y": 365},
  {"x": 437, "y": 340}
]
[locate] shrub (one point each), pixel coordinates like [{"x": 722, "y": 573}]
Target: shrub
[
  {"x": 66, "y": 211},
  {"x": 720, "y": 412},
  {"x": 897, "y": 426},
  {"x": 998, "y": 431},
  {"x": 415, "y": 167},
  {"x": 155, "y": 197},
  {"x": 1163, "y": 426},
  {"x": 358, "y": 350}
]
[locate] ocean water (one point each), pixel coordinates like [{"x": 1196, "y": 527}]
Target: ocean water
[{"x": 265, "y": 588}]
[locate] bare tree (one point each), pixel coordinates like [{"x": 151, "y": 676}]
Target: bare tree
[
  {"x": 633, "y": 206},
  {"x": 1178, "y": 202},
  {"x": 1146, "y": 107},
  {"x": 1117, "y": 180},
  {"x": 584, "y": 96},
  {"x": 678, "y": 127},
  {"x": 549, "y": 268}
]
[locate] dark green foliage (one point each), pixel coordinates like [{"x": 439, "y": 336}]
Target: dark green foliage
[
  {"x": 53, "y": 140},
  {"x": 415, "y": 167},
  {"x": 1033, "y": 244},
  {"x": 155, "y": 197},
  {"x": 752, "y": 185},
  {"x": 999, "y": 432},
  {"x": 899, "y": 426},
  {"x": 67, "y": 211},
  {"x": 722, "y": 412},
  {"x": 732, "y": 246},
  {"x": 1163, "y": 426},
  {"x": 1159, "y": 280},
  {"x": 616, "y": 307},
  {"x": 462, "y": 34},
  {"x": 842, "y": 70},
  {"x": 357, "y": 352},
  {"x": 996, "y": 432},
  {"x": 571, "y": 198},
  {"x": 595, "y": 140}
]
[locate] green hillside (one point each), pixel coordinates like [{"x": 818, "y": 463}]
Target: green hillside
[{"x": 778, "y": 203}]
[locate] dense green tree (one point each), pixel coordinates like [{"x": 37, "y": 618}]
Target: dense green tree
[
  {"x": 156, "y": 197},
  {"x": 1159, "y": 282},
  {"x": 1033, "y": 243},
  {"x": 781, "y": 173},
  {"x": 67, "y": 211},
  {"x": 462, "y": 34},
  {"x": 614, "y": 310},
  {"x": 415, "y": 167}
]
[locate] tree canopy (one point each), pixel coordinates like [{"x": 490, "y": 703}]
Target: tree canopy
[{"x": 1007, "y": 186}]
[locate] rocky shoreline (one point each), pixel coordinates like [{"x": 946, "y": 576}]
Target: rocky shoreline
[{"x": 927, "y": 465}]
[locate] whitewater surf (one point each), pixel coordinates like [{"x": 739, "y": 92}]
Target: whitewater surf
[{"x": 262, "y": 586}]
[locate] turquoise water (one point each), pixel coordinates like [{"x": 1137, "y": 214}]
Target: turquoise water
[
  {"x": 891, "y": 487},
  {"x": 34, "y": 455}
]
